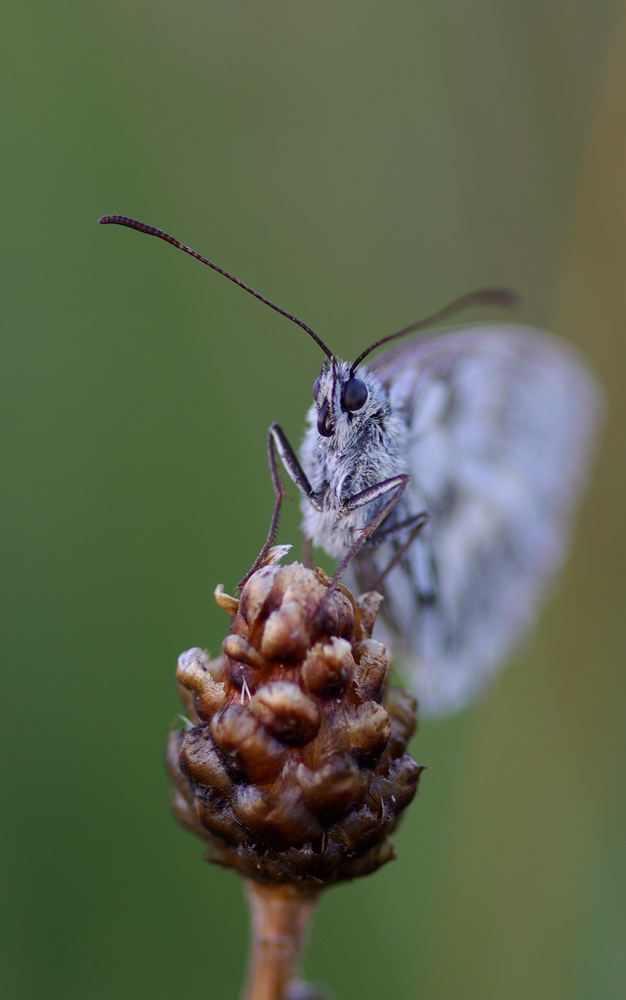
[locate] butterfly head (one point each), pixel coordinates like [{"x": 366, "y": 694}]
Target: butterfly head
[{"x": 345, "y": 400}]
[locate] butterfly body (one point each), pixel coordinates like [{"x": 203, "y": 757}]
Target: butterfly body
[{"x": 363, "y": 448}]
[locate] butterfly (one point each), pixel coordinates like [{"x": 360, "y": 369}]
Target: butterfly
[
  {"x": 445, "y": 474},
  {"x": 494, "y": 426}
]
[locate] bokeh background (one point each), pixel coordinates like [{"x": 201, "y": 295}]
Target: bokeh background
[{"x": 361, "y": 164}]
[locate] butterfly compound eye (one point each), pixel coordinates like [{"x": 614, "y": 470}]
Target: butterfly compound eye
[
  {"x": 354, "y": 394},
  {"x": 316, "y": 386}
]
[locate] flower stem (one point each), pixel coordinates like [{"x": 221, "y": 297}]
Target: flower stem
[{"x": 280, "y": 920}]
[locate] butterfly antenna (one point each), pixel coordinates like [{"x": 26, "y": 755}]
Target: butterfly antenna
[
  {"x": 485, "y": 297},
  {"x": 122, "y": 220}
]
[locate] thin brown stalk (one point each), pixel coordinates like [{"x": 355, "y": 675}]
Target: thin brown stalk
[{"x": 280, "y": 920}]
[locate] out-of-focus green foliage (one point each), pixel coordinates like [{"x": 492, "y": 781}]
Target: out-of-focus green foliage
[{"x": 361, "y": 164}]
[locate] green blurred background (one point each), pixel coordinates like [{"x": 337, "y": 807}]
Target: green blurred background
[{"x": 361, "y": 164}]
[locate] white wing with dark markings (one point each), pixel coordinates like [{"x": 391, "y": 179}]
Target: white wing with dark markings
[{"x": 500, "y": 423}]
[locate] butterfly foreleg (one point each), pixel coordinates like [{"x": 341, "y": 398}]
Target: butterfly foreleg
[
  {"x": 397, "y": 484},
  {"x": 366, "y": 496},
  {"x": 277, "y": 443}
]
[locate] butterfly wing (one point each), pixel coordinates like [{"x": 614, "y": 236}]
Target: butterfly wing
[{"x": 500, "y": 423}]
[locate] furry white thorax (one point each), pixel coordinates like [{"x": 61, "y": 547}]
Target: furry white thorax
[{"x": 364, "y": 448}]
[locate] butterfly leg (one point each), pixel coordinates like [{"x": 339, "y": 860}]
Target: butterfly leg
[
  {"x": 307, "y": 557},
  {"x": 398, "y": 484},
  {"x": 419, "y": 520},
  {"x": 277, "y": 442},
  {"x": 410, "y": 522}
]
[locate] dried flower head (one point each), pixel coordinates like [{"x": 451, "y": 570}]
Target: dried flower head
[{"x": 294, "y": 768}]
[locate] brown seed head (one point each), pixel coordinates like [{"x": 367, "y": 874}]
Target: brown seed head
[{"x": 294, "y": 770}]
